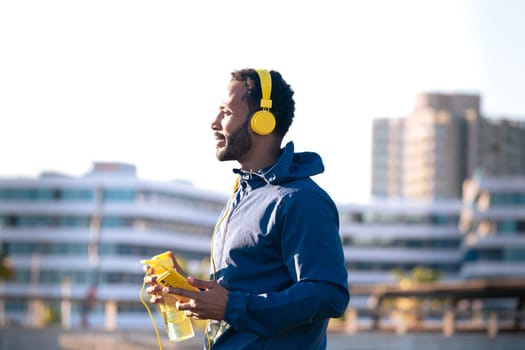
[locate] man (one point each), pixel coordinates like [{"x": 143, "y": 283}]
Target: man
[{"x": 278, "y": 272}]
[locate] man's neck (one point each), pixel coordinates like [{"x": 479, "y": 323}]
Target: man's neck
[{"x": 261, "y": 158}]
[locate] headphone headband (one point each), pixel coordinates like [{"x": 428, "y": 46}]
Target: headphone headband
[{"x": 266, "y": 88}]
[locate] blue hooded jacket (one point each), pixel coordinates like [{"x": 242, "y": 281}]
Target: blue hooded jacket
[{"x": 279, "y": 253}]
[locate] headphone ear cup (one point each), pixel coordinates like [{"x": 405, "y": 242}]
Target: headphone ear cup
[{"x": 263, "y": 122}]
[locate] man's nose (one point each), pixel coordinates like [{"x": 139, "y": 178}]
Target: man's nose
[{"x": 216, "y": 123}]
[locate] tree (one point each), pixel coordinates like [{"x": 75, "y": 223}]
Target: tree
[
  {"x": 410, "y": 309},
  {"x": 6, "y": 271}
]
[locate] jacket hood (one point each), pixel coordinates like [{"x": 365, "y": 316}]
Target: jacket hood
[{"x": 290, "y": 166}]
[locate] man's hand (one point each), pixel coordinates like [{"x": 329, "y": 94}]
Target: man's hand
[
  {"x": 209, "y": 303},
  {"x": 155, "y": 290}
]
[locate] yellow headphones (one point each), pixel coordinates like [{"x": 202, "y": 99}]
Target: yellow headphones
[{"x": 263, "y": 121}]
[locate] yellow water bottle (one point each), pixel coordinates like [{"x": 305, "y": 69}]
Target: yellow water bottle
[{"x": 178, "y": 325}]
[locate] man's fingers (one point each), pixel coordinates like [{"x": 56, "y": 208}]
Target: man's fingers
[
  {"x": 181, "y": 292},
  {"x": 201, "y": 284},
  {"x": 154, "y": 299},
  {"x": 154, "y": 289},
  {"x": 175, "y": 263},
  {"x": 151, "y": 279}
]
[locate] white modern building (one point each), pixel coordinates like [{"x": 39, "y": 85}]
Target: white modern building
[
  {"x": 386, "y": 238},
  {"x": 75, "y": 242},
  {"x": 80, "y": 240},
  {"x": 493, "y": 221}
]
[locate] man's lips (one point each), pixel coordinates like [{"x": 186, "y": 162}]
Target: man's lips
[{"x": 220, "y": 140}]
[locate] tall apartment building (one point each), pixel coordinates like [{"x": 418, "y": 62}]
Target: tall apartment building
[
  {"x": 443, "y": 141},
  {"x": 495, "y": 147}
]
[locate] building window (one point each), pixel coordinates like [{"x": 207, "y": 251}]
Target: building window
[{"x": 120, "y": 195}]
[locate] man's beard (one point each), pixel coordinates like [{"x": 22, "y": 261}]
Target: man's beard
[{"x": 237, "y": 144}]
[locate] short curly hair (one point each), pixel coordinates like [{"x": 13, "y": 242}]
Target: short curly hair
[{"x": 283, "y": 104}]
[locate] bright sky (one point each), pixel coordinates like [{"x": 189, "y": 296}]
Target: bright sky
[{"x": 140, "y": 81}]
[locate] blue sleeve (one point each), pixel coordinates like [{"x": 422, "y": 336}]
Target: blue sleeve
[{"x": 313, "y": 254}]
